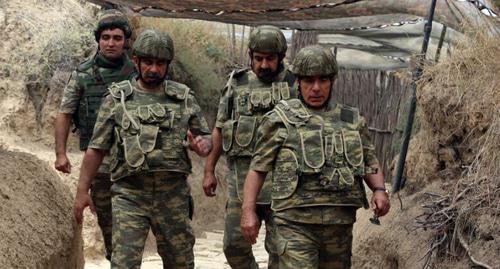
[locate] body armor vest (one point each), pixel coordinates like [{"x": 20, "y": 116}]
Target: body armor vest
[
  {"x": 251, "y": 99},
  {"x": 94, "y": 86},
  {"x": 321, "y": 161},
  {"x": 149, "y": 135}
]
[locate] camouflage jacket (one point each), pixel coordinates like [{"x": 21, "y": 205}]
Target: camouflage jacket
[
  {"x": 146, "y": 131},
  {"x": 86, "y": 88},
  {"x": 317, "y": 158},
  {"x": 244, "y": 102}
]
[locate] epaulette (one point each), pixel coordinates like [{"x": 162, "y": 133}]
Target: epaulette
[
  {"x": 85, "y": 65},
  {"x": 240, "y": 75},
  {"x": 176, "y": 90},
  {"x": 239, "y": 72},
  {"x": 292, "y": 111},
  {"x": 273, "y": 116},
  {"x": 116, "y": 89},
  {"x": 349, "y": 114}
]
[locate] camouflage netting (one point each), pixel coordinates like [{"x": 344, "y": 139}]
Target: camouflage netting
[{"x": 458, "y": 145}]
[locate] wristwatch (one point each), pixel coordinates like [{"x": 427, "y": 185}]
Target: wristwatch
[{"x": 380, "y": 189}]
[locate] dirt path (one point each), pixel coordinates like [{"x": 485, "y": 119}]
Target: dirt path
[{"x": 207, "y": 250}]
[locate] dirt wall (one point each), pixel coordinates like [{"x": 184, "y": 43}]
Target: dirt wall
[{"x": 37, "y": 229}]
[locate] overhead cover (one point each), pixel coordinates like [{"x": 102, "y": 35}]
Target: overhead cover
[{"x": 376, "y": 28}]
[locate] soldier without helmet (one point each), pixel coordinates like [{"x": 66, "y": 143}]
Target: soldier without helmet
[
  {"x": 319, "y": 153},
  {"x": 146, "y": 125},
  {"x": 82, "y": 98}
]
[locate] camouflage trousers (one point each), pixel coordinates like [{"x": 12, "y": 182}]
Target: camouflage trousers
[
  {"x": 238, "y": 252},
  {"x": 157, "y": 200},
  {"x": 101, "y": 197},
  {"x": 313, "y": 246}
]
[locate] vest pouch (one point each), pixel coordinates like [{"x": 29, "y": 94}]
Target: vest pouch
[
  {"x": 168, "y": 120},
  {"x": 285, "y": 174},
  {"x": 329, "y": 146},
  {"x": 243, "y": 105},
  {"x": 143, "y": 113},
  {"x": 275, "y": 90},
  {"x": 336, "y": 179},
  {"x": 133, "y": 153},
  {"x": 157, "y": 111},
  {"x": 284, "y": 90},
  {"x": 155, "y": 158},
  {"x": 346, "y": 179},
  {"x": 128, "y": 126},
  {"x": 353, "y": 148},
  {"x": 147, "y": 138},
  {"x": 312, "y": 150},
  {"x": 151, "y": 113},
  {"x": 256, "y": 99},
  {"x": 227, "y": 135},
  {"x": 244, "y": 130},
  {"x": 115, "y": 151},
  {"x": 266, "y": 99}
]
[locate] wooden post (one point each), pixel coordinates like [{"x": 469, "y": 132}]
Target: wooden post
[
  {"x": 242, "y": 48},
  {"x": 440, "y": 44},
  {"x": 302, "y": 39}
]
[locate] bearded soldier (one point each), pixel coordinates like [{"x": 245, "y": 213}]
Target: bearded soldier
[
  {"x": 146, "y": 124},
  {"x": 319, "y": 153},
  {"x": 248, "y": 95},
  {"x": 82, "y": 98}
]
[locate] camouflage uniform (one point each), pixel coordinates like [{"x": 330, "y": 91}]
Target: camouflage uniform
[
  {"x": 149, "y": 165},
  {"x": 317, "y": 160},
  {"x": 245, "y": 100},
  {"x": 146, "y": 135},
  {"x": 82, "y": 98}
]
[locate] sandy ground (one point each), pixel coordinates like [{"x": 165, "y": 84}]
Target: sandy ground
[{"x": 207, "y": 250}]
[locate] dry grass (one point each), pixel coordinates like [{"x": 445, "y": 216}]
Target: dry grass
[{"x": 459, "y": 143}]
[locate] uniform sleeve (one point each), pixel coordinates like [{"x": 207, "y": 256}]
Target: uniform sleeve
[
  {"x": 270, "y": 137},
  {"x": 225, "y": 107},
  {"x": 102, "y": 137},
  {"x": 197, "y": 122},
  {"x": 370, "y": 157},
  {"x": 71, "y": 95}
]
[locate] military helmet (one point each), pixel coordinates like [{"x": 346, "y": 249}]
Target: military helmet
[
  {"x": 154, "y": 44},
  {"x": 267, "y": 39},
  {"x": 110, "y": 19},
  {"x": 315, "y": 61}
]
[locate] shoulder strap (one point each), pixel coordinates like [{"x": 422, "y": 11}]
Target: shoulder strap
[
  {"x": 117, "y": 88},
  {"x": 292, "y": 111},
  {"x": 176, "y": 90},
  {"x": 121, "y": 91},
  {"x": 289, "y": 78},
  {"x": 349, "y": 114}
]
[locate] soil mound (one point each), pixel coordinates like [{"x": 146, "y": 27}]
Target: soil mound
[
  {"x": 37, "y": 227},
  {"x": 451, "y": 200}
]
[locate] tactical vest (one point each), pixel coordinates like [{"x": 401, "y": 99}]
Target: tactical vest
[
  {"x": 321, "y": 161},
  {"x": 149, "y": 136},
  {"x": 251, "y": 99},
  {"x": 94, "y": 86}
]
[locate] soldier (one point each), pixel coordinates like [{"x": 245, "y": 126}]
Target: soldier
[
  {"x": 319, "y": 152},
  {"x": 248, "y": 95},
  {"x": 82, "y": 98},
  {"x": 146, "y": 124}
]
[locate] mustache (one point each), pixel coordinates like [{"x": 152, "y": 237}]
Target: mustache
[
  {"x": 153, "y": 76},
  {"x": 265, "y": 71}
]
